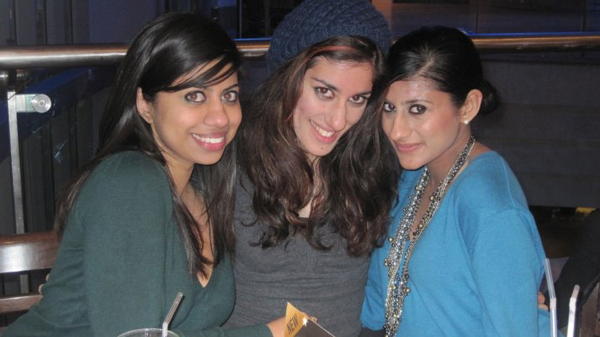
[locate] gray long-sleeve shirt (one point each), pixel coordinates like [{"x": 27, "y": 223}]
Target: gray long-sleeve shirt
[{"x": 326, "y": 284}]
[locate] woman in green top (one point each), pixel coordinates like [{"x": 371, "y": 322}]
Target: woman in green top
[{"x": 134, "y": 230}]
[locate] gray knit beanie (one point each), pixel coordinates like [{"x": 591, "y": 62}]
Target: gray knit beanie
[{"x": 317, "y": 20}]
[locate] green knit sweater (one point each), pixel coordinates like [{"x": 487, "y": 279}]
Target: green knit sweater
[{"x": 121, "y": 264}]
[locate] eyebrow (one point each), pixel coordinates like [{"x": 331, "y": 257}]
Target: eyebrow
[
  {"x": 208, "y": 87},
  {"x": 412, "y": 101},
  {"x": 236, "y": 85},
  {"x": 334, "y": 88}
]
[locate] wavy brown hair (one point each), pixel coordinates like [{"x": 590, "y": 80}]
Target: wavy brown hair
[{"x": 358, "y": 178}]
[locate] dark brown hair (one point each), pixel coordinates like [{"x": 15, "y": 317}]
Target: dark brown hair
[{"x": 446, "y": 57}]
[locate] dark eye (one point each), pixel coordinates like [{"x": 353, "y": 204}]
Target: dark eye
[
  {"x": 417, "y": 109},
  {"x": 195, "y": 97},
  {"x": 389, "y": 107},
  {"x": 358, "y": 100},
  {"x": 324, "y": 92},
  {"x": 230, "y": 97}
]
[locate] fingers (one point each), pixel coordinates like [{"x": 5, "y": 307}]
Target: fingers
[
  {"x": 541, "y": 301},
  {"x": 42, "y": 285},
  {"x": 277, "y": 327}
]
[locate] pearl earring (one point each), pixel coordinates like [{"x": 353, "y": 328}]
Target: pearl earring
[{"x": 466, "y": 122}]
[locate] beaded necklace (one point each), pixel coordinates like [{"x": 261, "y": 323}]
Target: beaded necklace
[{"x": 401, "y": 244}]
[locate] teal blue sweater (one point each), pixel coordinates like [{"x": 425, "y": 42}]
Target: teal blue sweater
[
  {"x": 476, "y": 269},
  {"x": 121, "y": 264}
]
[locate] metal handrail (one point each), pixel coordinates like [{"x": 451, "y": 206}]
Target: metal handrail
[
  {"x": 27, "y": 57},
  {"x": 106, "y": 54},
  {"x": 528, "y": 43}
]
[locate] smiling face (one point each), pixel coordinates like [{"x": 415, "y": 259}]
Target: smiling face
[
  {"x": 193, "y": 125},
  {"x": 425, "y": 125},
  {"x": 334, "y": 97}
]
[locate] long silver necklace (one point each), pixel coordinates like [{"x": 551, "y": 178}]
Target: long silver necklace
[{"x": 402, "y": 245}]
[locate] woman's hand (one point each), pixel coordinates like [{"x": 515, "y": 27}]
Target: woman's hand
[
  {"x": 542, "y": 302},
  {"x": 277, "y": 327},
  {"x": 42, "y": 285}
]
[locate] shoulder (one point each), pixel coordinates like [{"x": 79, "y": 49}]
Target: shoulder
[
  {"x": 130, "y": 164},
  {"x": 488, "y": 182},
  {"x": 487, "y": 198},
  {"x": 126, "y": 178},
  {"x": 128, "y": 194},
  {"x": 129, "y": 168}
]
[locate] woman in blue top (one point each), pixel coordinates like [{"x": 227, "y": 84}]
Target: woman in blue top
[{"x": 463, "y": 257}]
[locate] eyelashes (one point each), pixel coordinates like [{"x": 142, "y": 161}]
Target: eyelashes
[
  {"x": 326, "y": 93},
  {"x": 198, "y": 97},
  {"x": 415, "y": 109}
]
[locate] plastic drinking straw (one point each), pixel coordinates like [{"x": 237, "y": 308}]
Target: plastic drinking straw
[
  {"x": 552, "y": 295},
  {"x": 165, "y": 325},
  {"x": 572, "y": 309}
]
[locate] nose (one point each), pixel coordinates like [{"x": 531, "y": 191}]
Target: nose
[
  {"x": 400, "y": 127},
  {"x": 216, "y": 115},
  {"x": 337, "y": 117}
]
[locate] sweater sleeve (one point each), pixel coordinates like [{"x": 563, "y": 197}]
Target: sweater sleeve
[
  {"x": 506, "y": 267},
  {"x": 124, "y": 208},
  {"x": 373, "y": 309}
]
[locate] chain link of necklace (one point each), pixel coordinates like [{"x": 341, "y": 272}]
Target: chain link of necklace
[{"x": 401, "y": 244}]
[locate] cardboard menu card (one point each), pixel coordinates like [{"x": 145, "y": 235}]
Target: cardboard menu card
[{"x": 298, "y": 324}]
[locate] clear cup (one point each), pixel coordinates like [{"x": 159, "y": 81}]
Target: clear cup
[{"x": 151, "y": 332}]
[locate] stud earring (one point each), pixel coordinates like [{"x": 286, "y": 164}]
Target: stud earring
[{"x": 466, "y": 122}]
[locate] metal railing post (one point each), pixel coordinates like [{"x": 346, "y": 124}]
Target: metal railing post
[
  {"x": 15, "y": 162},
  {"x": 20, "y": 104}
]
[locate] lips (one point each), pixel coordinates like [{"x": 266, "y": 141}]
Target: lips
[
  {"x": 213, "y": 142},
  {"x": 406, "y": 148},
  {"x": 322, "y": 134}
]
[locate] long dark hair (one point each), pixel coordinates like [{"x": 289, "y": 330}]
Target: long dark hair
[
  {"x": 445, "y": 56},
  {"x": 170, "y": 46},
  {"x": 358, "y": 176}
]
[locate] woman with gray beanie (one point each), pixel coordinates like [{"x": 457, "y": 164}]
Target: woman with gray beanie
[{"x": 317, "y": 175}]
